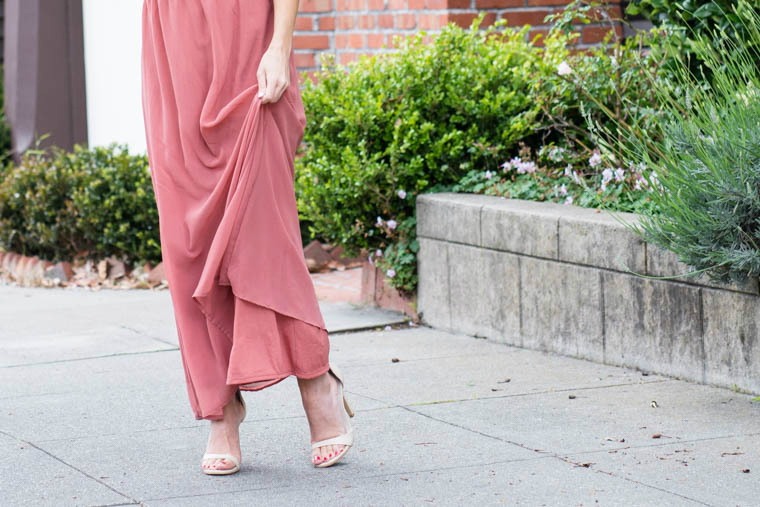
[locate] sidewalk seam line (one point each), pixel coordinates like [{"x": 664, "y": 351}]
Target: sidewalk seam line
[{"x": 128, "y": 497}]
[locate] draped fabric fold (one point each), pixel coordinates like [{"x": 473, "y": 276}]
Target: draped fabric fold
[{"x": 222, "y": 168}]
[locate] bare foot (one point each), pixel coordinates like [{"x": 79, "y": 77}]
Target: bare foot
[
  {"x": 225, "y": 436},
  {"x": 325, "y": 413}
]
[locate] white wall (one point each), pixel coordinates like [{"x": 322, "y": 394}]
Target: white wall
[{"x": 112, "y": 46}]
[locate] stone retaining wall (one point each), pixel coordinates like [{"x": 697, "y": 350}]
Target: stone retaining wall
[{"x": 558, "y": 278}]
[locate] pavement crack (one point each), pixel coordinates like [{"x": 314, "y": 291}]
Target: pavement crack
[
  {"x": 487, "y": 435},
  {"x": 547, "y": 391},
  {"x": 142, "y": 333},
  {"x": 89, "y": 358},
  {"x": 633, "y": 481},
  {"x": 550, "y": 454},
  {"x": 357, "y": 477},
  {"x": 99, "y": 481}
]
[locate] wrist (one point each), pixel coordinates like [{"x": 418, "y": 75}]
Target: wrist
[{"x": 280, "y": 46}]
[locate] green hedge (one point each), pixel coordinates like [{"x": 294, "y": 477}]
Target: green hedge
[
  {"x": 450, "y": 115},
  {"x": 397, "y": 124},
  {"x": 98, "y": 201}
]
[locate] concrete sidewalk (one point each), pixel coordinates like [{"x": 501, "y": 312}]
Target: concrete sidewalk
[{"x": 94, "y": 411}]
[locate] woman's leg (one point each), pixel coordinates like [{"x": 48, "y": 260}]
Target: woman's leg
[
  {"x": 325, "y": 412},
  {"x": 225, "y": 436}
]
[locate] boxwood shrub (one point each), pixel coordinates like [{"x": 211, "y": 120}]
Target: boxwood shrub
[
  {"x": 93, "y": 202},
  {"x": 401, "y": 123}
]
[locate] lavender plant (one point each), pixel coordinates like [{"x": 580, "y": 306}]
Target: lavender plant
[{"x": 707, "y": 159}]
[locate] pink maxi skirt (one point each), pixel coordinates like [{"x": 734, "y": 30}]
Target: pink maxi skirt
[{"x": 222, "y": 171}]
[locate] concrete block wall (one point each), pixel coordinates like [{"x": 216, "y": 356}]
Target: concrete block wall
[
  {"x": 564, "y": 279},
  {"x": 348, "y": 28}
]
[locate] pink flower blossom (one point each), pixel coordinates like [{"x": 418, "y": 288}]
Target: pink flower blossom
[
  {"x": 488, "y": 175},
  {"x": 378, "y": 253},
  {"x": 390, "y": 273},
  {"x": 391, "y": 224},
  {"x": 595, "y": 159},
  {"x": 619, "y": 174},
  {"x": 402, "y": 194},
  {"x": 379, "y": 222},
  {"x": 526, "y": 167}
]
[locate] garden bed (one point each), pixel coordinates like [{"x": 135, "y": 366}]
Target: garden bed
[{"x": 564, "y": 279}]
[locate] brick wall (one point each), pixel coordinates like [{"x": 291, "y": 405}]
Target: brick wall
[{"x": 348, "y": 28}]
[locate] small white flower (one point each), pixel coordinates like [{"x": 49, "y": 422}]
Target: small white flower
[
  {"x": 607, "y": 175},
  {"x": 569, "y": 170},
  {"x": 595, "y": 160},
  {"x": 563, "y": 190},
  {"x": 379, "y": 221},
  {"x": 402, "y": 194},
  {"x": 488, "y": 175},
  {"x": 576, "y": 178},
  {"x": 619, "y": 174},
  {"x": 391, "y": 224},
  {"x": 390, "y": 273},
  {"x": 526, "y": 167},
  {"x": 563, "y": 69},
  {"x": 378, "y": 253},
  {"x": 387, "y": 328},
  {"x": 569, "y": 199}
]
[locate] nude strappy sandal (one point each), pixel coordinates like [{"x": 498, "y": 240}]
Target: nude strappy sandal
[
  {"x": 227, "y": 456},
  {"x": 346, "y": 439}
]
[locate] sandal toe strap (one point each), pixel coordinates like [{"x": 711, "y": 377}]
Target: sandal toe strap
[
  {"x": 344, "y": 439},
  {"x": 220, "y": 455}
]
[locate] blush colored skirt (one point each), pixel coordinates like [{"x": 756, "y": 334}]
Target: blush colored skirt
[{"x": 222, "y": 170}]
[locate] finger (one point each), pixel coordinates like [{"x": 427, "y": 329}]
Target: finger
[
  {"x": 277, "y": 88},
  {"x": 262, "y": 81},
  {"x": 269, "y": 90}
]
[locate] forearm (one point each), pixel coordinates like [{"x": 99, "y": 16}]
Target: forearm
[{"x": 285, "y": 12}]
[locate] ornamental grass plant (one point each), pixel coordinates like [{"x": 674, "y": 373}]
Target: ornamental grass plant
[{"x": 707, "y": 160}]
